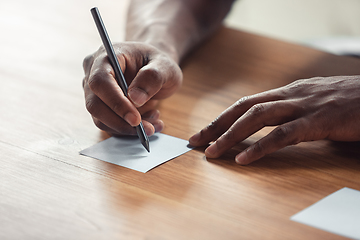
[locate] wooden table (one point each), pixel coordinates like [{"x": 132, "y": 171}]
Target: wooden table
[{"x": 49, "y": 191}]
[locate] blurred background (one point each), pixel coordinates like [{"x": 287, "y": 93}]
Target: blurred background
[{"x": 331, "y": 25}]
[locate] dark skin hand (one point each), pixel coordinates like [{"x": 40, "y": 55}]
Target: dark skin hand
[
  {"x": 151, "y": 75},
  {"x": 305, "y": 110},
  {"x": 158, "y": 35}
]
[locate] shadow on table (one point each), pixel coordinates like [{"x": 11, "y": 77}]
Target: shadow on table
[{"x": 321, "y": 155}]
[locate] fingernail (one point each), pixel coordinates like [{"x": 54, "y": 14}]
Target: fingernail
[
  {"x": 137, "y": 96},
  {"x": 241, "y": 158},
  {"x": 131, "y": 119},
  {"x": 211, "y": 150},
  {"x": 195, "y": 138}
]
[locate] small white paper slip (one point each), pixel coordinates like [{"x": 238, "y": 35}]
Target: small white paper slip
[
  {"x": 128, "y": 151},
  {"x": 337, "y": 213}
]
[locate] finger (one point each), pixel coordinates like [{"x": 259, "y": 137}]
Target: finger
[
  {"x": 104, "y": 116},
  {"x": 153, "y": 118},
  {"x": 102, "y": 83},
  {"x": 155, "y": 77},
  {"x": 287, "y": 134},
  {"x": 111, "y": 131},
  {"x": 148, "y": 127},
  {"x": 223, "y": 122},
  {"x": 258, "y": 116},
  {"x": 148, "y": 106},
  {"x": 105, "y": 119}
]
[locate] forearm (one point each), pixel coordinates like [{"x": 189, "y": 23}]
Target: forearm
[{"x": 174, "y": 26}]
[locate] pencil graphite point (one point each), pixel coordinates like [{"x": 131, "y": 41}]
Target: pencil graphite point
[{"x": 146, "y": 145}]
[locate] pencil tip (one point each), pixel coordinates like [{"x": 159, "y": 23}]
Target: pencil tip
[
  {"x": 143, "y": 137},
  {"x": 146, "y": 145}
]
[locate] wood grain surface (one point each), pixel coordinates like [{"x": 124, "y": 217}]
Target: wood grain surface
[{"x": 49, "y": 191}]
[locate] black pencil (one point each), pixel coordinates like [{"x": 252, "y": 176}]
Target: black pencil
[{"x": 117, "y": 69}]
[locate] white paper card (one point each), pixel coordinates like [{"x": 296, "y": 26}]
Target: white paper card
[
  {"x": 338, "y": 213},
  {"x": 128, "y": 151}
]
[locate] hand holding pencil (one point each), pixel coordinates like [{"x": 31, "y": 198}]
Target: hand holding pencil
[{"x": 150, "y": 74}]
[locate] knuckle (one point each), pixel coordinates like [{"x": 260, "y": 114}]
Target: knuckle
[
  {"x": 153, "y": 75},
  {"x": 281, "y": 132},
  {"x": 258, "y": 149},
  {"x": 257, "y": 110},
  {"x": 96, "y": 79},
  {"x": 241, "y": 102},
  {"x": 286, "y": 134},
  {"x": 301, "y": 87},
  {"x": 88, "y": 60},
  {"x": 213, "y": 126},
  {"x": 227, "y": 140},
  {"x": 229, "y": 135}
]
